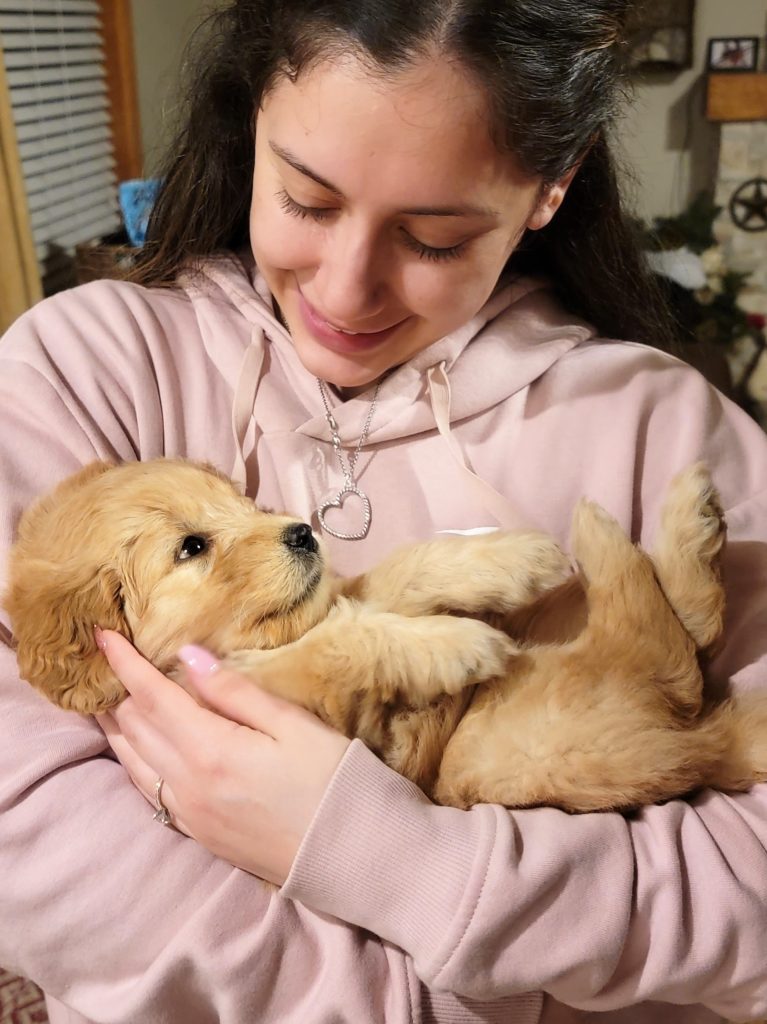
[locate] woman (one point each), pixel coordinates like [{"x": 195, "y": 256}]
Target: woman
[{"x": 385, "y": 178}]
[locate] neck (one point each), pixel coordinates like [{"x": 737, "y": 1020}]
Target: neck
[{"x": 346, "y": 393}]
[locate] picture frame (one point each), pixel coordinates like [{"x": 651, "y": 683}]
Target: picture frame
[
  {"x": 660, "y": 34},
  {"x": 733, "y": 55}
]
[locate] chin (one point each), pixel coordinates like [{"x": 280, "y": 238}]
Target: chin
[{"x": 336, "y": 368}]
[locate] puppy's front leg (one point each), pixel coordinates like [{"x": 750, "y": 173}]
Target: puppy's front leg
[
  {"x": 357, "y": 655},
  {"x": 497, "y": 572}
]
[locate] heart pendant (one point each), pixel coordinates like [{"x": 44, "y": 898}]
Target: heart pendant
[{"x": 338, "y": 502}]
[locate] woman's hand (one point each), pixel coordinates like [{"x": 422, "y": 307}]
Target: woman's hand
[{"x": 243, "y": 775}]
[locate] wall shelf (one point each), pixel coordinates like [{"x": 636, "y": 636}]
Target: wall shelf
[{"x": 736, "y": 96}]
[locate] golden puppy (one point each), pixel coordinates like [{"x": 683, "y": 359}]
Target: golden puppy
[{"x": 479, "y": 667}]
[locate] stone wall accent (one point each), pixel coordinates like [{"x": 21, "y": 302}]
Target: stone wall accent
[{"x": 742, "y": 157}]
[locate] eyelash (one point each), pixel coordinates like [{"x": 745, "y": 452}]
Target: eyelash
[
  {"x": 289, "y": 205},
  {"x": 428, "y": 252},
  {"x": 424, "y": 252}
]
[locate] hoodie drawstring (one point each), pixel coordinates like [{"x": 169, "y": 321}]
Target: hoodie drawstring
[
  {"x": 499, "y": 506},
  {"x": 244, "y": 399},
  {"x": 242, "y": 404}
]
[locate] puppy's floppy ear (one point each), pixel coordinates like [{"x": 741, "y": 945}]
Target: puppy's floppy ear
[
  {"x": 53, "y": 609},
  {"x": 54, "y": 600}
]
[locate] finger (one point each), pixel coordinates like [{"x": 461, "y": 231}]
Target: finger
[
  {"x": 234, "y": 695},
  {"x": 166, "y": 729},
  {"x": 172, "y": 712},
  {"x": 143, "y": 776},
  {"x": 140, "y": 678},
  {"x": 175, "y": 748},
  {"x": 139, "y": 771},
  {"x": 143, "y": 773}
]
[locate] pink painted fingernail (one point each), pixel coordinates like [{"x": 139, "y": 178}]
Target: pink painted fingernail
[
  {"x": 198, "y": 660},
  {"x": 101, "y": 640}
]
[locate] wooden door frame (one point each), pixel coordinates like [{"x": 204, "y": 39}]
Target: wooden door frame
[{"x": 120, "y": 63}]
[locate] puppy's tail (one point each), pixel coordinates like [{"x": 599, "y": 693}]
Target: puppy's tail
[{"x": 744, "y": 722}]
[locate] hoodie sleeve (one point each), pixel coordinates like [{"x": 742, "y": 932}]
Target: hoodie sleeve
[
  {"x": 598, "y": 910},
  {"x": 113, "y": 916}
]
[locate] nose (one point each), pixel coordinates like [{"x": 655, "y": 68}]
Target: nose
[
  {"x": 350, "y": 286},
  {"x": 300, "y": 537}
]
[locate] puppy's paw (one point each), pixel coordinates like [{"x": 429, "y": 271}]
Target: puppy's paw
[
  {"x": 463, "y": 652},
  {"x": 693, "y": 523},
  {"x": 503, "y": 572},
  {"x": 688, "y": 554},
  {"x": 246, "y": 662},
  {"x": 528, "y": 564}
]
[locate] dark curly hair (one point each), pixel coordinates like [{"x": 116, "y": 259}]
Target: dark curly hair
[{"x": 554, "y": 75}]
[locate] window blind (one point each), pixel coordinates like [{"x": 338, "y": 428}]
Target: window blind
[{"x": 54, "y": 59}]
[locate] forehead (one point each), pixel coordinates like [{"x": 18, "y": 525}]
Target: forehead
[{"x": 426, "y": 127}]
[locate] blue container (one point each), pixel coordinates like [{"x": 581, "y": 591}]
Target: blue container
[{"x": 137, "y": 198}]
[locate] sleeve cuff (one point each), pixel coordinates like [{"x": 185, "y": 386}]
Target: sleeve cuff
[{"x": 381, "y": 856}]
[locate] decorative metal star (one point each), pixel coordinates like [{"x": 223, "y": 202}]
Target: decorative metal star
[{"x": 748, "y": 205}]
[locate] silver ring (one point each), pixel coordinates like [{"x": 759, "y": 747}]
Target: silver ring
[{"x": 162, "y": 814}]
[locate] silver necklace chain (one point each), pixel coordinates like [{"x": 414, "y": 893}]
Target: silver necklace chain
[{"x": 347, "y": 468}]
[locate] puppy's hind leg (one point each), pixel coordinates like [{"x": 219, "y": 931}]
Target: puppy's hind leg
[
  {"x": 688, "y": 552},
  {"x": 630, "y": 620},
  {"x": 603, "y": 552},
  {"x": 745, "y": 759}
]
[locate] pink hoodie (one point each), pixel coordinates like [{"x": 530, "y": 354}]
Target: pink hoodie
[{"x": 396, "y": 910}]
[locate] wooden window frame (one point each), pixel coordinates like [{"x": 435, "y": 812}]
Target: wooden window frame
[{"x": 20, "y": 284}]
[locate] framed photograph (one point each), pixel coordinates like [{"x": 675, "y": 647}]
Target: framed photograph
[
  {"x": 660, "y": 35},
  {"x": 736, "y": 54}
]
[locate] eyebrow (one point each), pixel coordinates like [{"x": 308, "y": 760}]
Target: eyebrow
[{"x": 416, "y": 211}]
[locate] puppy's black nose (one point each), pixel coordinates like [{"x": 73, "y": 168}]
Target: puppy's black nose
[{"x": 300, "y": 536}]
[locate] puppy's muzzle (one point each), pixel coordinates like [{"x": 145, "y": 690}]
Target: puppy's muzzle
[{"x": 299, "y": 538}]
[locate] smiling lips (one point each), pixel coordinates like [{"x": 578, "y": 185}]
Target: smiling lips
[{"x": 338, "y": 339}]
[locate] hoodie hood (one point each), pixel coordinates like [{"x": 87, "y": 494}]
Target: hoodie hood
[{"x": 517, "y": 335}]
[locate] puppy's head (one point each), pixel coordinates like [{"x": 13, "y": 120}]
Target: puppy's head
[{"x": 168, "y": 553}]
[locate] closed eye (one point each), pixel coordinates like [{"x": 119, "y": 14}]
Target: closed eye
[
  {"x": 289, "y": 205},
  {"x": 432, "y": 252},
  {"x": 192, "y": 546},
  {"x": 425, "y": 252}
]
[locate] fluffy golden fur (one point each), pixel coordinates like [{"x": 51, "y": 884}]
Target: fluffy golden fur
[{"x": 480, "y": 667}]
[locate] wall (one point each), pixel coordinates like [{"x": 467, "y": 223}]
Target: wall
[
  {"x": 665, "y": 137},
  {"x": 161, "y": 29}
]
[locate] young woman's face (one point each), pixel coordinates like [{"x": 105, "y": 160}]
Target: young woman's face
[{"x": 382, "y": 213}]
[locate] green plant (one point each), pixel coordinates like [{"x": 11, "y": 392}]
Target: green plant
[{"x": 710, "y": 313}]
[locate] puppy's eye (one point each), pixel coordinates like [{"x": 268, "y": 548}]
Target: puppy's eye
[{"x": 192, "y": 546}]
